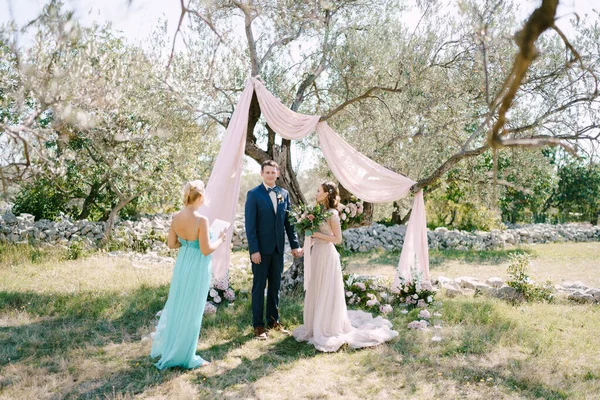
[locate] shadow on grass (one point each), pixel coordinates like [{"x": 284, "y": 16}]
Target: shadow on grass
[
  {"x": 278, "y": 353},
  {"x": 82, "y": 321}
]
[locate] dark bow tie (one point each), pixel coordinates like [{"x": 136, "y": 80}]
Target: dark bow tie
[{"x": 269, "y": 190}]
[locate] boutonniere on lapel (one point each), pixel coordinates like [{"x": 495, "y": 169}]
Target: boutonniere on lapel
[{"x": 279, "y": 198}]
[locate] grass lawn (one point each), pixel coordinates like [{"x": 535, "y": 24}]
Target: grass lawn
[
  {"x": 555, "y": 261},
  {"x": 74, "y": 329}
]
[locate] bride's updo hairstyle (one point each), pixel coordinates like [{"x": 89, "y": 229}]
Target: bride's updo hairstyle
[
  {"x": 192, "y": 190},
  {"x": 333, "y": 194}
]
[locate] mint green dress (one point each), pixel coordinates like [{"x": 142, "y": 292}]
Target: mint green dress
[{"x": 178, "y": 328}]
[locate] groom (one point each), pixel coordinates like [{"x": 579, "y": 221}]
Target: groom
[{"x": 266, "y": 212}]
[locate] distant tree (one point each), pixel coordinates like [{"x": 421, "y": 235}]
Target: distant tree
[{"x": 90, "y": 114}]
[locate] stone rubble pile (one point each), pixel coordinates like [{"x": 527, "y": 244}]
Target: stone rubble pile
[
  {"x": 377, "y": 236},
  {"x": 150, "y": 233},
  {"x": 576, "y": 291}
]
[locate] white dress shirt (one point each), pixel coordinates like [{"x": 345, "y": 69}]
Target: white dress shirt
[{"x": 273, "y": 197}]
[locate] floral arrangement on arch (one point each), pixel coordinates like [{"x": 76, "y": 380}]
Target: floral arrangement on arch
[
  {"x": 220, "y": 293},
  {"x": 367, "y": 294},
  {"x": 306, "y": 219},
  {"x": 352, "y": 213},
  {"x": 414, "y": 292}
]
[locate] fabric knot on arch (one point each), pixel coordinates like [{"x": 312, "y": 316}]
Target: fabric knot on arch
[{"x": 362, "y": 176}]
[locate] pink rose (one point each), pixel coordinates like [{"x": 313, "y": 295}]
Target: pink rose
[
  {"x": 209, "y": 308},
  {"x": 353, "y": 210},
  {"x": 229, "y": 295},
  {"x": 310, "y": 217}
]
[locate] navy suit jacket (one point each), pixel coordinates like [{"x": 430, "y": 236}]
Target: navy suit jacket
[{"x": 264, "y": 228}]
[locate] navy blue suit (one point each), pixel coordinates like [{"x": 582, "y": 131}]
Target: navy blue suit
[{"x": 265, "y": 232}]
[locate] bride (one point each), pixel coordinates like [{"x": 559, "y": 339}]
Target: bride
[{"x": 327, "y": 323}]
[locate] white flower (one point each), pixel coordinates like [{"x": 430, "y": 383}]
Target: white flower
[
  {"x": 424, "y": 314},
  {"x": 217, "y": 299},
  {"x": 213, "y": 293},
  {"x": 344, "y": 217},
  {"x": 372, "y": 303},
  {"x": 404, "y": 311},
  {"x": 436, "y": 339},
  {"x": 429, "y": 299},
  {"x": 415, "y": 296},
  {"x": 349, "y": 294},
  {"x": 386, "y": 309}
]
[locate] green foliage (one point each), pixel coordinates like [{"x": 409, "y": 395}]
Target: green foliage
[
  {"x": 578, "y": 191},
  {"x": 450, "y": 207},
  {"x": 42, "y": 199},
  {"x": 533, "y": 180},
  {"x": 520, "y": 280},
  {"x": 75, "y": 250}
]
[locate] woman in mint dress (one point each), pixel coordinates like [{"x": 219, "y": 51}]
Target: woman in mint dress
[{"x": 178, "y": 329}]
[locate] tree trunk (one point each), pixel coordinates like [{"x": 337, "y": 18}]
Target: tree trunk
[
  {"x": 287, "y": 178},
  {"x": 280, "y": 154},
  {"x": 397, "y": 219},
  {"x": 90, "y": 199},
  {"x": 110, "y": 222}
]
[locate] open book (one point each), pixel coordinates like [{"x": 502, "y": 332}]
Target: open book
[{"x": 218, "y": 225}]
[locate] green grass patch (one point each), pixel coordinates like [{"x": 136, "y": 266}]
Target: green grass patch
[
  {"x": 60, "y": 342},
  {"x": 21, "y": 254}
]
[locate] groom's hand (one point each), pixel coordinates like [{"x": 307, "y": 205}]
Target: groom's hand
[
  {"x": 255, "y": 257},
  {"x": 297, "y": 252}
]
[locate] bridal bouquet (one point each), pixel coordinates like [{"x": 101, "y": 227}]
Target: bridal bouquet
[{"x": 306, "y": 219}]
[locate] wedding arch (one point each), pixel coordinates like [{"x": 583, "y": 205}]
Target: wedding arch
[{"x": 362, "y": 176}]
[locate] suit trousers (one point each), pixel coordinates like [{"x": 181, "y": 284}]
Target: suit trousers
[{"x": 268, "y": 272}]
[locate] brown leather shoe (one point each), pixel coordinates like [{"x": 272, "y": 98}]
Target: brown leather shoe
[
  {"x": 260, "y": 333},
  {"x": 278, "y": 327}
]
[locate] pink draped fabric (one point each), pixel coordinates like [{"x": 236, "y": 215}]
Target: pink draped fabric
[
  {"x": 362, "y": 176},
  {"x": 307, "y": 259},
  {"x": 223, "y": 187}
]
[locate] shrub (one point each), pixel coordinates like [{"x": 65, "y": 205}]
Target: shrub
[
  {"x": 520, "y": 280},
  {"x": 41, "y": 199}
]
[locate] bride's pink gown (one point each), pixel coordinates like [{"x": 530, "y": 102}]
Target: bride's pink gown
[{"x": 327, "y": 323}]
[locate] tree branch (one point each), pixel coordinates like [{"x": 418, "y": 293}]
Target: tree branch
[
  {"x": 449, "y": 163},
  {"x": 365, "y": 95}
]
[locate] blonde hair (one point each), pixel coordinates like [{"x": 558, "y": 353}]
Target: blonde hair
[{"x": 192, "y": 190}]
